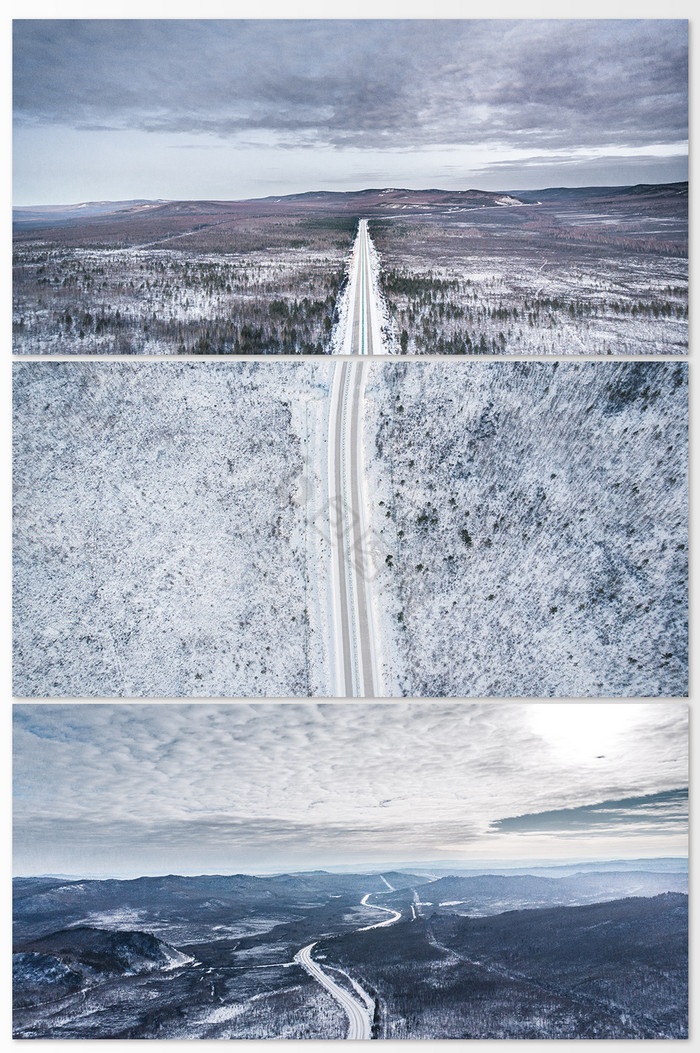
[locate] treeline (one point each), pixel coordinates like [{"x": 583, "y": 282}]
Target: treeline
[
  {"x": 641, "y": 245},
  {"x": 297, "y": 334},
  {"x": 418, "y": 286}
]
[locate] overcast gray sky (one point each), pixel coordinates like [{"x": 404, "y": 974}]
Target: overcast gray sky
[
  {"x": 128, "y": 789},
  {"x": 230, "y": 109}
]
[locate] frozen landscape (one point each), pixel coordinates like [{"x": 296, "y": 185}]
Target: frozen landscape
[
  {"x": 462, "y": 956},
  {"x": 587, "y": 271},
  {"x": 160, "y": 545},
  {"x": 215, "y": 529},
  {"x": 181, "y": 283},
  {"x": 597, "y": 271},
  {"x": 535, "y": 525},
  {"x": 350, "y": 870},
  {"x": 350, "y": 529}
]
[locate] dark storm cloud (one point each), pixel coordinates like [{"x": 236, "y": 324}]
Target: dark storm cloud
[
  {"x": 651, "y": 811},
  {"x": 372, "y": 84}
]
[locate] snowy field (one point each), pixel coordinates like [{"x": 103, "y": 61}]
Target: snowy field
[
  {"x": 603, "y": 275},
  {"x": 599, "y": 278},
  {"x": 158, "y": 300},
  {"x": 518, "y": 305},
  {"x": 160, "y": 544},
  {"x": 536, "y": 525},
  {"x": 528, "y": 528},
  {"x": 449, "y": 293}
]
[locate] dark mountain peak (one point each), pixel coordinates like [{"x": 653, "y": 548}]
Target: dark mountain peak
[{"x": 107, "y": 951}]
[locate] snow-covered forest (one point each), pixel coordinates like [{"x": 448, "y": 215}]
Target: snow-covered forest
[
  {"x": 159, "y": 546},
  {"x": 535, "y": 522},
  {"x": 528, "y": 527}
]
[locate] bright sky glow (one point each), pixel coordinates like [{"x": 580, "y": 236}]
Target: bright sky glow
[{"x": 127, "y": 789}]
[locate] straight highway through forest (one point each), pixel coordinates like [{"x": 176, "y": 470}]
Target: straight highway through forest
[{"x": 356, "y": 666}]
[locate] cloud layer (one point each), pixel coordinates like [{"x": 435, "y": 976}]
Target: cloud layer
[
  {"x": 643, "y": 812},
  {"x": 251, "y": 108},
  {"x": 373, "y": 84},
  {"x": 236, "y": 786}
]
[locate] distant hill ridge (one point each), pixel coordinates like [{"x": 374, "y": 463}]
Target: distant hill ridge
[
  {"x": 492, "y": 893},
  {"x": 370, "y": 201}
]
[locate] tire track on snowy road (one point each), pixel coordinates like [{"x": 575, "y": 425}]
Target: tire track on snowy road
[
  {"x": 356, "y": 666},
  {"x": 359, "y": 1023}
]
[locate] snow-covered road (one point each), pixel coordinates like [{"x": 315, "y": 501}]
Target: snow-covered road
[
  {"x": 356, "y": 671},
  {"x": 355, "y": 645},
  {"x": 359, "y": 1023},
  {"x": 395, "y": 915},
  {"x": 364, "y": 322}
]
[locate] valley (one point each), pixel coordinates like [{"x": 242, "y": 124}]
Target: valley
[{"x": 524, "y": 956}]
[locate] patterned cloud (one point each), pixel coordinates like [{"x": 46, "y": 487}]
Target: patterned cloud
[
  {"x": 397, "y": 83},
  {"x": 274, "y": 786}
]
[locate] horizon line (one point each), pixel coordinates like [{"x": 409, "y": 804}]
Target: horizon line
[
  {"x": 362, "y": 190},
  {"x": 345, "y": 869}
]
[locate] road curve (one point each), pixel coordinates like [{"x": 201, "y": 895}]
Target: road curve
[
  {"x": 359, "y": 1023},
  {"x": 395, "y": 914}
]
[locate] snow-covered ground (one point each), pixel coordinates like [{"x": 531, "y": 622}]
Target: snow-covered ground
[
  {"x": 466, "y": 294},
  {"x": 156, "y": 300},
  {"x": 536, "y": 525},
  {"x": 172, "y": 531},
  {"x": 606, "y": 281},
  {"x": 527, "y": 528},
  {"x": 161, "y": 534}
]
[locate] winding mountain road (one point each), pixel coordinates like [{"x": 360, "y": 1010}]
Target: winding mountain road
[
  {"x": 359, "y": 1023},
  {"x": 359, "y": 1020},
  {"x": 395, "y": 915}
]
